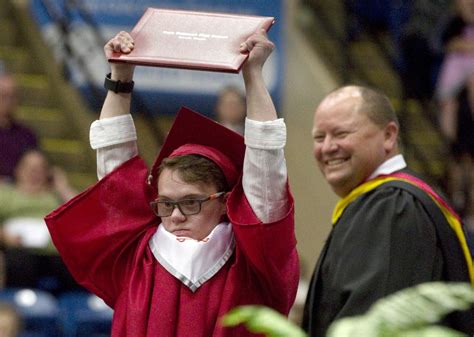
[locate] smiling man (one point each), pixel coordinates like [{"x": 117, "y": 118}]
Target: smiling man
[
  {"x": 210, "y": 227},
  {"x": 391, "y": 230}
]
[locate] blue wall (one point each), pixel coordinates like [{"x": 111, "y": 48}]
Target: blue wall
[{"x": 163, "y": 90}]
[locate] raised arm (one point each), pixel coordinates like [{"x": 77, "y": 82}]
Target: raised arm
[
  {"x": 114, "y": 136},
  {"x": 260, "y": 106},
  {"x": 265, "y": 176},
  {"x": 117, "y": 104}
]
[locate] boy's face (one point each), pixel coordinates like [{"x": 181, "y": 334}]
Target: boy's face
[{"x": 197, "y": 226}]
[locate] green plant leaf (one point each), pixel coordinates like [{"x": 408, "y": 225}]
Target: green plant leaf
[
  {"x": 264, "y": 320},
  {"x": 422, "y": 304},
  {"x": 408, "y": 312},
  {"x": 430, "y": 331}
]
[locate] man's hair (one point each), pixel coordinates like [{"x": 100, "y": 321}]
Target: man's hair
[
  {"x": 377, "y": 106},
  {"x": 194, "y": 169}
]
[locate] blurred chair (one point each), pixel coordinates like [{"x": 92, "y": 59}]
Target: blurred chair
[
  {"x": 84, "y": 314},
  {"x": 38, "y": 309}
]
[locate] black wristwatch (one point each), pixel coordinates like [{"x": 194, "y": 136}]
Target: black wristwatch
[{"x": 118, "y": 86}]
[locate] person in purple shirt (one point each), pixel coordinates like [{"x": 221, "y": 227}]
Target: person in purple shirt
[{"x": 15, "y": 138}]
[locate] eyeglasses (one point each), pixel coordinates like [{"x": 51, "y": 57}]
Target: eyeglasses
[{"x": 185, "y": 206}]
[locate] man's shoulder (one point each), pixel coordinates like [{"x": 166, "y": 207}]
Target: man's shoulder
[
  {"x": 394, "y": 191},
  {"x": 413, "y": 183},
  {"x": 386, "y": 204},
  {"x": 413, "y": 192}
]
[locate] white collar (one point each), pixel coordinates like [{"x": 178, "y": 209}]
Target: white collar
[
  {"x": 191, "y": 261},
  {"x": 389, "y": 166}
]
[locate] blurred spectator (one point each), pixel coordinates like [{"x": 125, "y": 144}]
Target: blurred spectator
[
  {"x": 230, "y": 109},
  {"x": 457, "y": 67},
  {"x": 14, "y": 137},
  {"x": 36, "y": 190},
  {"x": 420, "y": 56},
  {"x": 455, "y": 97},
  {"x": 366, "y": 15},
  {"x": 460, "y": 180},
  {"x": 10, "y": 321},
  {"x": 375, "y": 16}
]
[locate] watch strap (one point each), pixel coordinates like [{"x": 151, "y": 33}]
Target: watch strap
[{"x": 118, "y": 86}]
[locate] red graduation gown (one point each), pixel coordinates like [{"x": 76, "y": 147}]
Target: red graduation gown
[{"x": 103, "y": 236}]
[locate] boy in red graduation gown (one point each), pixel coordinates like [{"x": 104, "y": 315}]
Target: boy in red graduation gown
[{"x": 210, "y": 227}]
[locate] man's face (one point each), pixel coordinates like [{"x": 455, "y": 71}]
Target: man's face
[
  {"x": 197, "y": 226},
  {"x": 348, "y": 146}
]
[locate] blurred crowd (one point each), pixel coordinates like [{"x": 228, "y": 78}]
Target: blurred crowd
[
  {"x": 30, "y": 188},
  {"x": 433, "y": 51}
]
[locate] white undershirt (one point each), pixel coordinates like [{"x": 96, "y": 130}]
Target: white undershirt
[{"x": 265, "y": 174}]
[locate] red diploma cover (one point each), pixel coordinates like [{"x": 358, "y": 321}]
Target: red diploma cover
[{"x": 192, "y": 40}]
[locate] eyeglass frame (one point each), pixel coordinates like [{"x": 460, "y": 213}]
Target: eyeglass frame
[{"x": 154, "y": 204}]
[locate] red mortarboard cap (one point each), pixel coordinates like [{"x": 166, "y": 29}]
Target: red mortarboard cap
[{"x": 192, "y": 133}]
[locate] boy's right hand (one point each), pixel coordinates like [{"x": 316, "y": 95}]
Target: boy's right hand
[{"x": 120, "y": 43}]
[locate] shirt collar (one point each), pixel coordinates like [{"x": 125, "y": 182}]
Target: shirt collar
[{"x": 389, "y": 166}]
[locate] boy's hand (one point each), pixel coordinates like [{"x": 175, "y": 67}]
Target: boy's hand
[
  {"x": 120, "y": 43},
  {"x": 259, "y": 48}
]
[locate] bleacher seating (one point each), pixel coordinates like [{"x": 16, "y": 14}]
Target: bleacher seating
[
  {"x": 84, "y": 314},
  {"x": 72, "y": 314},
  {"x": 39, "y": 311}
]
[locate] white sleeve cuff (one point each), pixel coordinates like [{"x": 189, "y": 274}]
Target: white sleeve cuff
[
  {"x": 268, "y": 135},
  {"x": 112, "y": 131}
]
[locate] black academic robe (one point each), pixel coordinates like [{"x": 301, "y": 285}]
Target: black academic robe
[{"x": 390, "y": 238}]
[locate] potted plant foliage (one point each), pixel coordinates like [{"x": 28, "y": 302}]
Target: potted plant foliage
[{"x": 411, "y": 312}]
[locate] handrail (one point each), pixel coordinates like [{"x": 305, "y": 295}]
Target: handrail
[
  {"x": 342, "y": 41},
  {"x": 64, "y": 24},
  {"x": 68, "y": 98}
]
